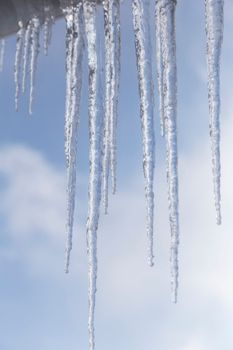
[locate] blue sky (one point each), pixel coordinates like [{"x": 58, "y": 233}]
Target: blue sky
[{"x": 40, "y": 306}]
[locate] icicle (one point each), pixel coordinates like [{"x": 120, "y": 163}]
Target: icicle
[
  {"x": 107, "y": 116},
  {"x": 115, "y": 58},
  {"x": 71, "y": 174},
  {"x": 34, "y": 51},
  {"x": 167, "y": 11},
  {"x": 160, "y": 67},
  {"x": 95, "y": 132},
  {"x": 115, "y": 29},
  {"x": 2, "y": 53},
  {"x": 18, "y": 59},
  {"x": 75, "y": 96},
  {"x": 27, "y": 40},
  {"x": 112, "y": 53},
  {"x": 143, "y": 54},
  {"x": 214, "y": 32},
  {"x": 47, "y": 34},
  {"x": 48, "y": 23},
  {"x": 112, "y": 59},
  {"x": 68, "y": 11}
]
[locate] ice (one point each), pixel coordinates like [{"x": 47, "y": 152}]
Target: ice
[
  {"x": 141, "y": 19},
  {"x": 160, "y": 65},
  {"x": 214, "y": 32},
  {"x": 2, "y": 53},
  {"x": 112, "y": 61},
  {"x": 74, "y": 53},
  {"x": 68, "y": 11},
  {"x": 34, "y": 51},
  {"x": 115, "y": 59},
  {"x": 18, "y": 61},
  {"x": 75, "y": 86},
  {"x": 108, "y": 79},
  {"x": 167, "y": 11},
  {"x": 48, "y": 24},
  {"x": 95, "y": 157},
  {"x": 27, "y": 42},
  {"x": 86, "y": 16}
]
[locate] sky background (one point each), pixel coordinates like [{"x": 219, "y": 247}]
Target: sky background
[{"x": 40, "y": 306}]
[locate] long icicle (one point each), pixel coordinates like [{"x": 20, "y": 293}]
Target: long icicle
[
  {"x": 167, "y": 10},
  {"x": 107, "y": 112},
  {"x": 160, "y": 67},
  {"x": 95, "y": 154},
  {"x": 112, "y": 53},
  {"x": 34, "y": 51},
  {"x": 75, "y": 95},
  {"x": 2, "y": 53},
  {"x": 112, "y": 59},
  {"x": 143, "y": 54},
  {"x": 115, "y": 38},
  {"x": 18, "y": 61},
  {"x": 68, "y": 12},
  {"x": 27, "y": 41},
  {"x": 214, "y": 32}
]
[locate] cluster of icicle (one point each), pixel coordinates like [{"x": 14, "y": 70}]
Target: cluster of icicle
[
  {"x": 27, "y": 50},
  {"x": 82, "y": 33},
  {"x": 81, "y": 23}
]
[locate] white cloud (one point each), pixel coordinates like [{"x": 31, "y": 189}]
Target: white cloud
[
  {"x": 33, "y": 209},
  {"x": 193, "y": 345},
  {"x": 129, "y": 292},
  {"x": 206, "y": 261},
  {"x": 33, "y": 194}
]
